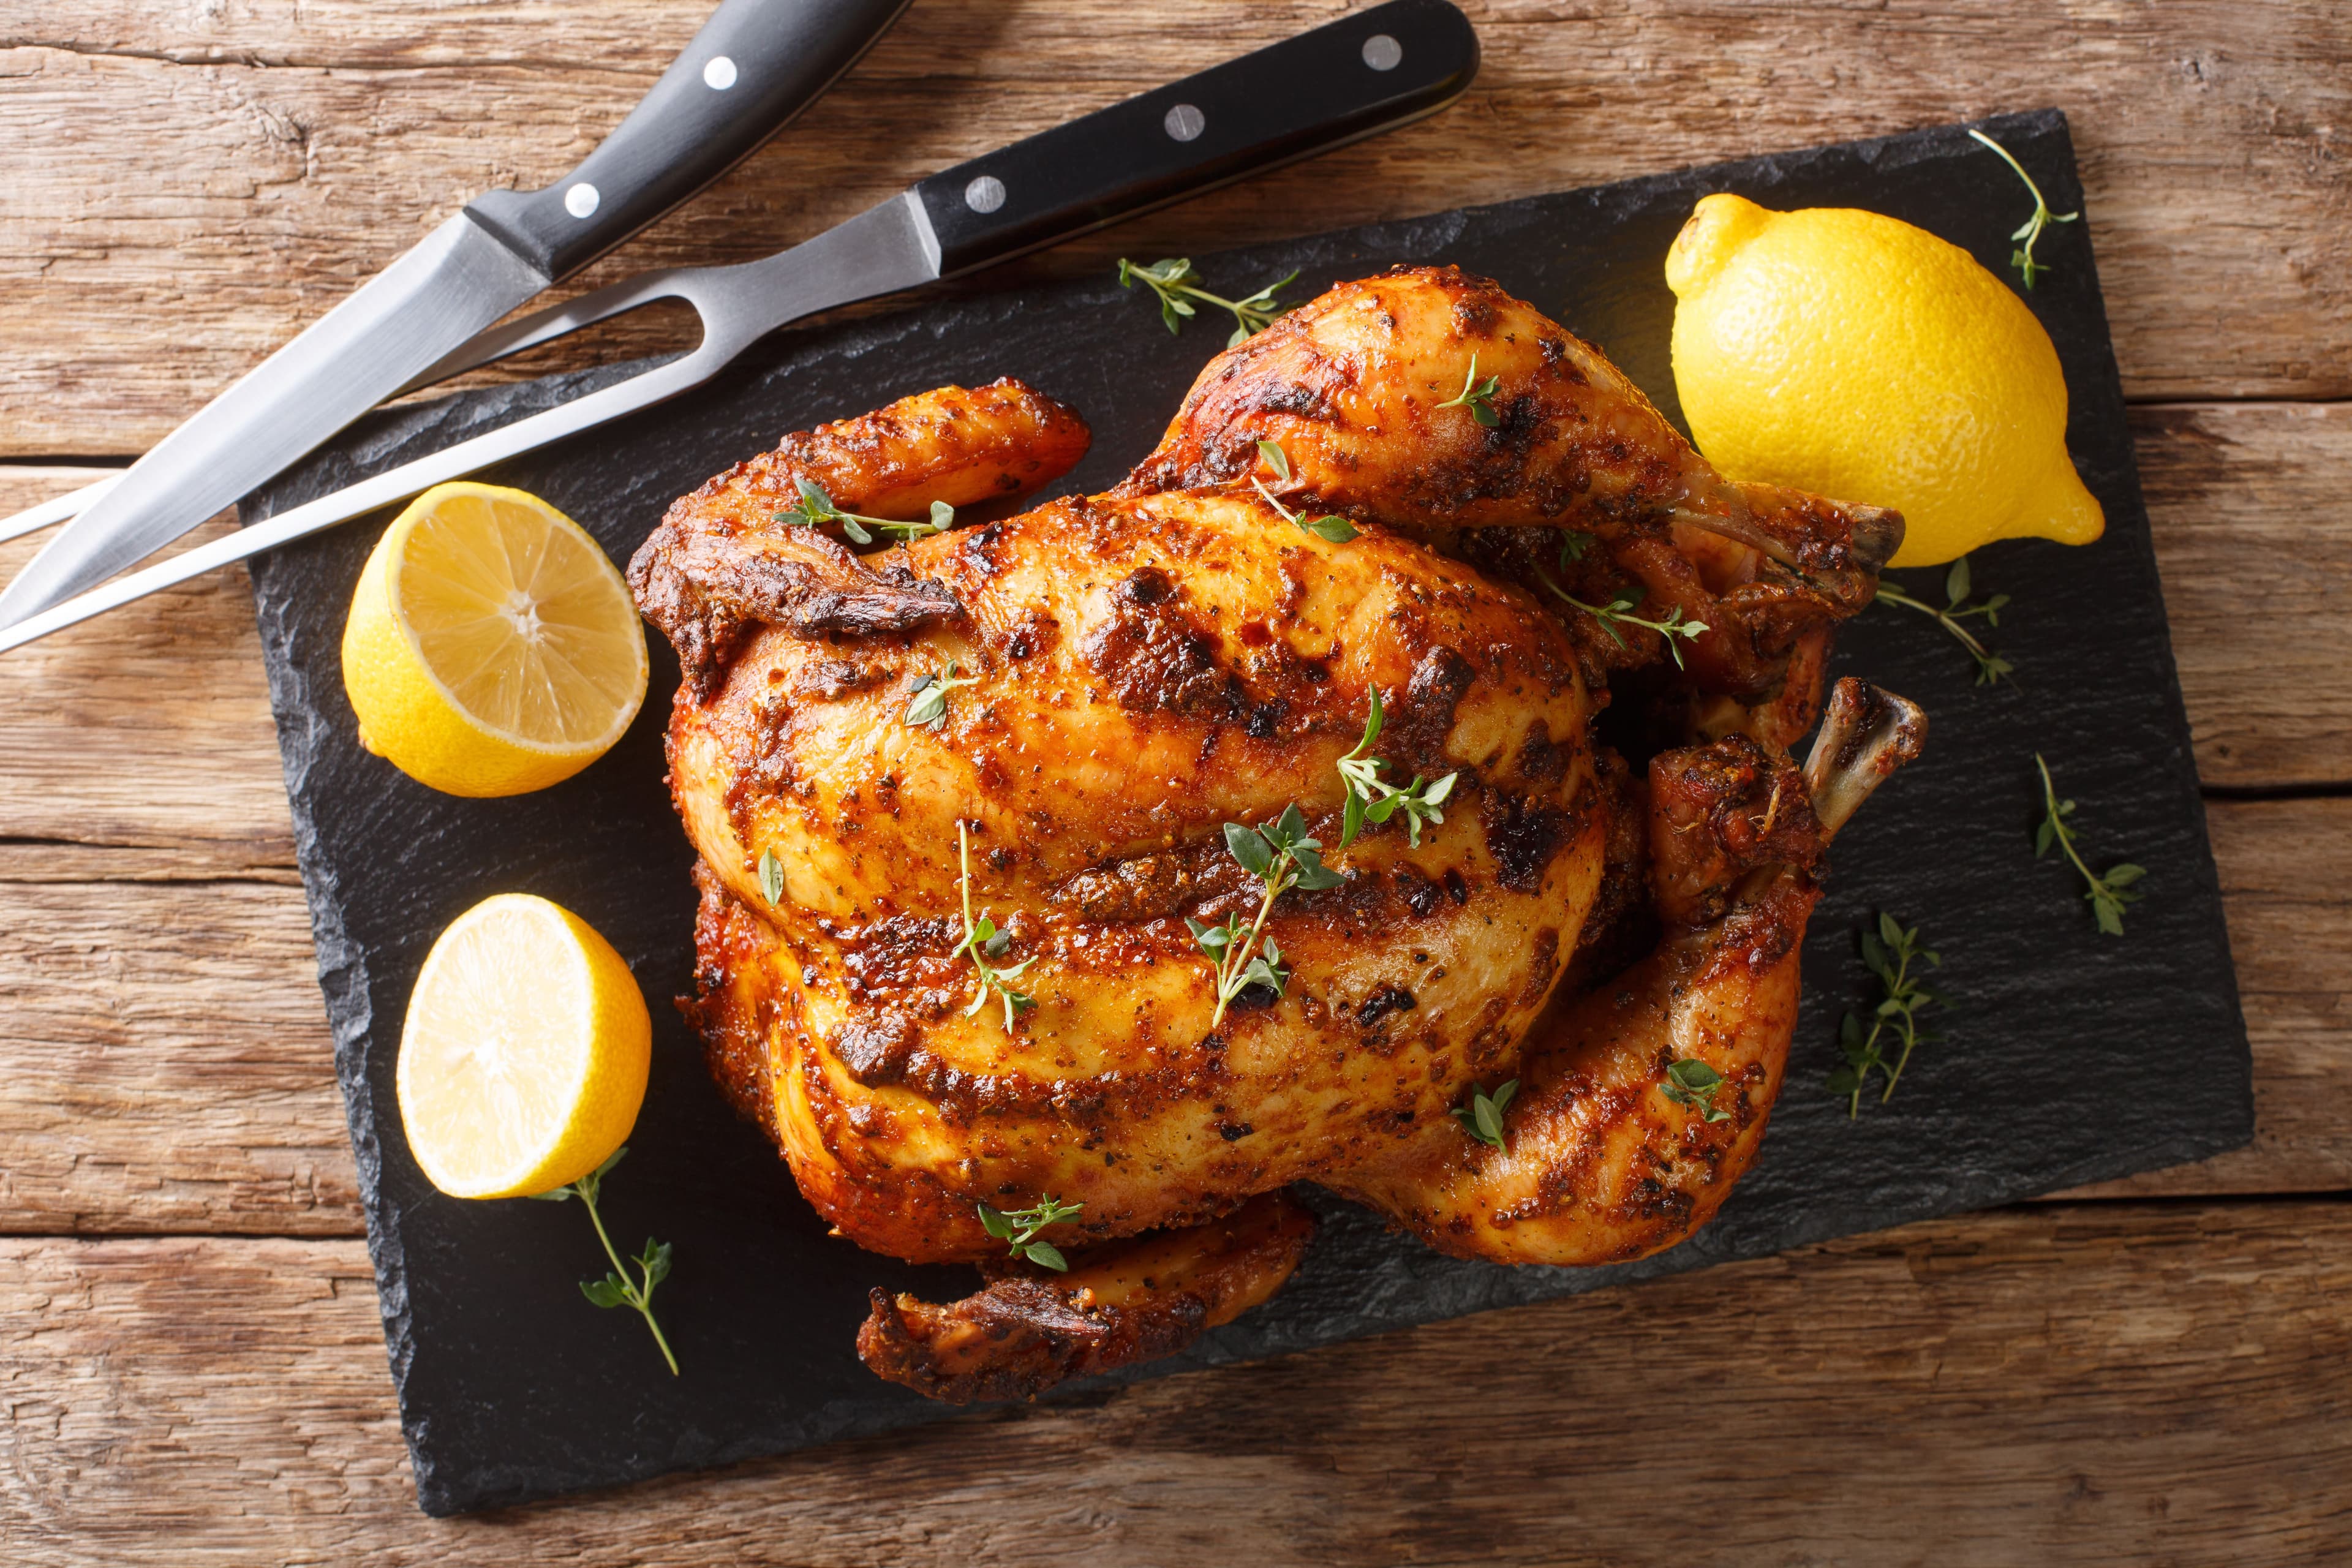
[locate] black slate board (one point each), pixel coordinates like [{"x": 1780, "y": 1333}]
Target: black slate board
[{"x": 511, "y": 1387}]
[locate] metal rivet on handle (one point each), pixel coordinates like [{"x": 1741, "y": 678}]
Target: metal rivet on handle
[
  {"x": 1382, "y": 52},
  {"x": 984, "y": 194},
  {"x": 1183, "y": 122},
  {"x": 719, "y": 74},
  {"x": 581, "y": 200}
]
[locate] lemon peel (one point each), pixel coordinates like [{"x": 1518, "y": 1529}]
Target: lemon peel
[{"x": 1853, "y": 356}]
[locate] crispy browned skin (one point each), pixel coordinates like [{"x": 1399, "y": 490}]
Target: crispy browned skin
[
  {"x": 1122, "y": 1302},
  {"x": 1352, "y": 385},
  {"x": 1148, "y": 671},
  {"x": 1138, "y": 668},
  {"x": 719, "y": 565}
]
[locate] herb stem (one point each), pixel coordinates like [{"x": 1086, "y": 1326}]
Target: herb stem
[
  {"x": 1237, "y": 959},
  {"x": 1991, "y": 665},
  {"x": 640, "y": 1300},
  {"x": 2029, "y": 231},
  {"x": 1672, "y": 626}
]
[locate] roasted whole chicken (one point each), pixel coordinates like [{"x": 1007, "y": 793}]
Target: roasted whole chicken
[{"x": 1038, "y": 929}]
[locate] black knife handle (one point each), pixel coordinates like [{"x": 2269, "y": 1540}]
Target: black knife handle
[
  {"x": 1350, "y": 79},
  {"x": 753, "y": 67}
]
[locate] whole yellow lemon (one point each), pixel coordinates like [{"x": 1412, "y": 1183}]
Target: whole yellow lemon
[{"x": 1853, "y": 355}]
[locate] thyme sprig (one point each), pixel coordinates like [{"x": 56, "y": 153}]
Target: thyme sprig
[
  {"x": 927, "y": 706},
  {"x": 1691, "y": 1083},
  {"x": 1891, "y": 952},
  {"x": 1991, "y": 665},
  {"x": 617, "y": 1289},
  {"x": 815, "y": 509},
  {"x": 1618, "y": 611},
  {"x": 1018, "y": 1229},
  {"x": 2108, "y": 894},
  {"x": 983, "y": 942},
  {"x": 1482, "y": 1115},
  {"x": 1370, "y": 800},
  {"x": 1177, "y": 284},
  {"x": 1478, "y": 398},
  {"x": 1281, "y": 856},
  {"x": 2031, "y": 229},
  {"x": 1331, "y": 526}
]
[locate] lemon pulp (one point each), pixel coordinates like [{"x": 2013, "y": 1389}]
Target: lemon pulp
[{"x": 491, "y": 646}]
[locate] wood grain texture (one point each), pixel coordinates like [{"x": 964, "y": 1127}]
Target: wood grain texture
[
  {"x": 2094, "y": 1384},
  {"x": 195, "y": 183},
  {"x": 2250, "y": 507}
]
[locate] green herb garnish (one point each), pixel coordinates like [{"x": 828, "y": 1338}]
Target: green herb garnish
[
  {"x": 1991, "y": 665},
  {"x": 1890, "y": 953},
  {"x": 1370, "y": 800},
  {"x": 617, "y": 1289},
  {"x": 1019, "y": 1228},
  {"x": 1335, "y": 529},
  {"x": 2031, "y": 230},
  {"x": 815, "y": 508},
  {"x": 1477, "y": 398},
  {"x": 1281, "y": 856},
  {"x": 928, "y": 707},
  {"x": 984, "y": 941},
  {"x": 771, "y": 877},
  {"x": 1178, "y": 286},
  {"x": 2107, "y": 894},
  {"x": 1692, "y": 1083},
  {"x": 1619, "y": 611},
  {"x": 1481, "y": 1118}
]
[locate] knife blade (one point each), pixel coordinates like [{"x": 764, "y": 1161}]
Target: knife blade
[
  {"x": 752, "y": 67},
  {"x": 1370, "y": 72}
]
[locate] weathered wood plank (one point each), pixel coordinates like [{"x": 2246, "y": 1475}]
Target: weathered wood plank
[
  {"x": 168, "y": 1065},
  {"x": 2096, "y": 1384},
  {"x": 150, "y": 727},
  {"x": 2251, "y": 506},
  {"x": 192, "y": 187}
]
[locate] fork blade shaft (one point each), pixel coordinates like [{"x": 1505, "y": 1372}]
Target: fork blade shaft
[{"x": 55, "y": 509}]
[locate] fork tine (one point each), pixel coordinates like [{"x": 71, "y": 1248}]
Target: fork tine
[
  {"x": 55, "y": 509},
  {"x": 544, "y": 326}
]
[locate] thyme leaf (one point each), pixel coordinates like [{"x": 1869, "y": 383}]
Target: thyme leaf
[
  {"x": 984, "y": 941},
  {"x": 1482, "y": 1114},
  {"x": 815, "y": 508},
  {"x": 2031, "y": 229},
  {"x": 1690, "y": 1082},
  {"x": 1018, "y": 1228},
  {"x": 1891, "y": 952},
  {"x": 1619, "y": 611},
  {"x": 1282, "y": 856},
  {"x": 1372, "y": 801},
  {"x": 2110, "y": 893},
  {"x": 1991, "y": 665},
  {"x": 617, "y": 1288},
  {"x": 1176, "y": 286},
  {"x": 1478, "y": 398},
  {"x": 1335, "y": 529},
  {"x": 927, "y": 707}
]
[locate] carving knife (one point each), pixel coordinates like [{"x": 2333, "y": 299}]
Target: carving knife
[{"x": 754, "y": 66}]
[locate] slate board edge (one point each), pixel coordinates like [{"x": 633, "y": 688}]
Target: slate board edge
[{"x": 343, "y": 970}]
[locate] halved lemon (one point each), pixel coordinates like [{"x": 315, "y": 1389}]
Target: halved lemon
[
  {"x": 491, "y": 646},
  {"x": 523, "y": 1061}
]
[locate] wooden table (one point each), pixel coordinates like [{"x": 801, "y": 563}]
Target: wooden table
[{"x": 191, "y": 1365}]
